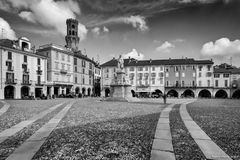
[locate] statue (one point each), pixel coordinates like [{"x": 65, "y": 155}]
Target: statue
[{"x": 120, "y": 63}]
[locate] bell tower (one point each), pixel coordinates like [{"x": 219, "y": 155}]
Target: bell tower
[{"x": 72, "y": 38}]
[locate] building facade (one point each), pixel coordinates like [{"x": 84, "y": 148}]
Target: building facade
[
  {"x": 59, "y": 69},
  {"x": 23, "y": 72},
  {"x": 175, "y": 77}
]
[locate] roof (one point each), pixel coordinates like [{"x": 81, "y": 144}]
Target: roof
[
  {"x": 6, "y": 43},
  {"x": 226, "y": 68},
  {"x": 85, "y": 57},
  {"x": 134, "y": 62}
]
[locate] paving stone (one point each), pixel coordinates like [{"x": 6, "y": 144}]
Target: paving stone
[
  {"x": 28, "y": 149},
  {"x": 163, "y": 126},
  {"x": 191, "y": 125},
  {"x": 163, "y": 134},
  {"x": 16, "y": 128},
  {"x": 5, "y": 107},
  {"x": 163, "y": 145},
  {"x": 211, "y": 150},
  {"x": 162, "y": 155},
  {"x": 163, "y": 120}
]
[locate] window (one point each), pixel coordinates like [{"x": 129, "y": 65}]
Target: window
[
  {"x": 226, "y": 83},
  {"x": 193, "y": 83},
  {"x": 176, "y": 68},
  {"x": 193, "y": 67},
  {"x": 146, "y": 82},
  {"x": 161, "y": 68},
  {"x": 200, "y": 68},
  {"x": 166, "y": 69},
  {"x": 183, "y": 67},
  {"x": 39, "y": 79},
  {"x": 39, "y": 61},
  {"x": 216, "y": 75},
  {"x": 209, "y": 67},
  {"x": 167, "y": 74},
  {"x": 216, "y": 83},
  {"x": 25, "y": 58},
  {"x": 167, "y": 83},
  {"x": 225, "y": 75},
  {"x": 63, "y": 66},
  {"x": 153, "y": 81},
  {"x": 177, "y": 74},
  {"x": 63, "y": 57},
  {"x": 200, "y": 74},
  {"x": 114, "y": 69},
  {"x": 140, "y": 68},
  {"x": 177, "y": 84},
  {"x": 83, "y": 63},
  {"x": 200, "y": 83},
  {"x": 90, "y": 65},
  {"x": 161, "y": 74},
  {"x": 10, "y": 55},
  {"x": 208, "y": 82},
  {"x": 183, "y": 84},
  {"x": 57, "y": 55},
  {"x": 131, "y": 68},
  {"x": 146, "y": 68},
  {"x": 75, "y": 68},
  {"x": 68, "y": 67},
  {"x": 83, "y": 80},
  {"x": 183, "y": 74},
  {"x": 153, "y": 74},
  {"x": 83, "y": 71},
  {"x": 209, "y": 74},
  {"x": 75, "y": 61},
  {"x": 153, "y": 68},
  {"x": 76, "y": 80},
  {"x": 194, "y": 74}
]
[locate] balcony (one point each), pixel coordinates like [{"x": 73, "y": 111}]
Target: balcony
[
  {"x": 39, "y": 72},
  {"x": 181, "y": 86},
  {"x": 11, "y": 81},
  {"x": 63, "y": 71},
  {"x": 26, "y": 83},
  {"x": 10, "y": 68},
  {"x": 26, "y": 70}
]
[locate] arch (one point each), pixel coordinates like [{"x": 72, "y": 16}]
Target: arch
[
  {"x": 172, "y": 93},
  {"x": 68, "y": 90},
  {"x": 73, "y": 33},
  {"x": 83, "y": 91},
  {"x": 221, "y": 94},
  {"x": 236, "y": 94},
  {"x": 158, "y": 92},
  {"x": 89, "y": 91},
  {"x": 188, "y": 93},
  {"x": 25, "y": 91},
  {"x": 9, "y": 92},
  {"x": 77, "y": 90},
  {"x": 133, "y": 93},
  {"x": 107, "y": 92},
  {"x": 204, "y": 94},
  {"x": 73, "y": 26}
]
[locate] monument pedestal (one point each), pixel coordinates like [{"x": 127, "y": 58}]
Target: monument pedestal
[{"x": 120, "y": 90}]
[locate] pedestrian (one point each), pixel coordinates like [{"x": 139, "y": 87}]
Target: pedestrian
[{"x": 164, "y": 98}]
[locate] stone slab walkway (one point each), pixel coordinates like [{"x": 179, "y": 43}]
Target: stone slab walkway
[
  {"x": 28, "y": 149},
  {"x": 4, "y": 108},
  {"x": 16, "y": 128},
  {"x": 210, "y": 149},
  {"x": 162, "y": 148}
]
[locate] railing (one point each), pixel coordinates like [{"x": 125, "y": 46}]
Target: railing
[
  {"x": 26, "y": 82},
  {"x": 63, "y": 71},
  {"x": 10, "y": 68},
  {"x": 11, "y": 81}
]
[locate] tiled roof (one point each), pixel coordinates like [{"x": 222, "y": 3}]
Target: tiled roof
[
  {"x": 134, "y": 62},
  {"x": 227, "y": 70},
  {"x": 6, "y": 43}
]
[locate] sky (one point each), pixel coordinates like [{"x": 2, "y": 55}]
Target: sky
[{"x": 142, "y": 29}]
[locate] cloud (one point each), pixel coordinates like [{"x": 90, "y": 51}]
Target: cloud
[
  {"x": 179, "y": 40},
  {"x": 203, "y": 1},
  {"x": 133, "y": 54},
  {"x": 96, "y": 31},
  {"x": 49, "y": 13},
  {"x": 165, "y": 47},
  {"x": 221, "y": 48},
  {"x": 6, "y": 30},
  {"x": 137, "y": 22},
  {"x": 105, "y": 29}
]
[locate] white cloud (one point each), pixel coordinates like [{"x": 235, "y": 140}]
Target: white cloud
[
  {"x": 137, "y": 22},
  {"x": 6, "y": 31},
  {"x": 50, "y": 13},
  {"x": 105, "y": 29},
  {"x": 221, "y": 48},
  {"x": 96, "y": 31},
  {"x": 165, "y": 47},
  {"x": 133, "y": 54}
]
